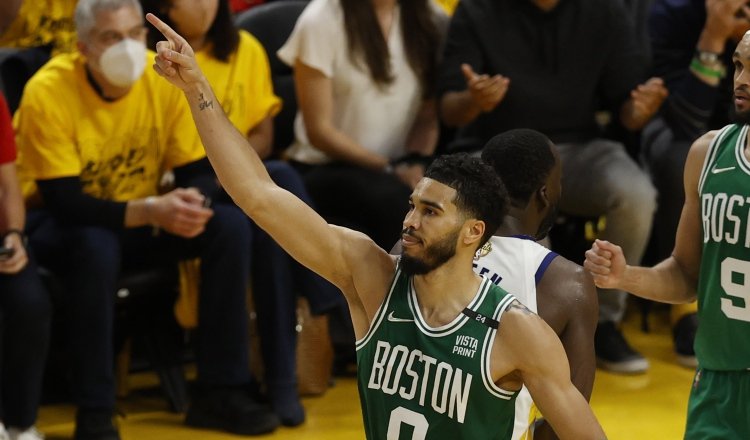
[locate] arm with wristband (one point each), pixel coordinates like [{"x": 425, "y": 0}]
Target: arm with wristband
[
  {"x": 689, "y": 44},
  {"x": 13, "y": 256}
]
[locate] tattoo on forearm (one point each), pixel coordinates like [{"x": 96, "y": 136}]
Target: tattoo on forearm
[
  {"x": 203, "y": 104},
  {"x": 520, "y": 307}
]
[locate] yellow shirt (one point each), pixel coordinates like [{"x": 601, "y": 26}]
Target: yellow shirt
[
  {"x": 243, "y": 84},
  {"x": 43, "y": 22},
  {"x": 118, "y": 149},
  {"x": 448, "y": 5},
  {"x": 243, "y": 87}
]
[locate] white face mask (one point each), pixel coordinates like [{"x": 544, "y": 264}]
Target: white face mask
[{"x": 123, "y": 63}]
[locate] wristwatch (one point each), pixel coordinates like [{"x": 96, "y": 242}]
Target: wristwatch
[
  {"x": 709, "y": 59},
  {"x": 708, "y": 64}
]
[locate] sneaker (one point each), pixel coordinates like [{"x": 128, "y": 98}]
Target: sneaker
[
  {"x": 613, "y": 352},
  {"x": 26, "y": 434},
  {"x": 683, "y": 334},
  {"x": 287, "y": 406},
  {"x": 230, "y": 409},
  {"x": 95, "y": 425}
]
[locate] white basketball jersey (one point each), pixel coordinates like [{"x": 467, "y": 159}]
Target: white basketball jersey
[{"x": 516, "y": 264}]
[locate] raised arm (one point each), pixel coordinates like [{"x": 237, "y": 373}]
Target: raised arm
[
  {"x": 527, "y": 345},
  {"x": 675, "y": 279},
  {"x": 349, "y": 260},
  {"x": 567, "y": 301},
  {"x": 678, "y": 30}
]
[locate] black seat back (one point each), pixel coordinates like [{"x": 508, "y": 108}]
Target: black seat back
[
  {"x": 271, "y": 24},
  {"x": 16, "y": 67}
]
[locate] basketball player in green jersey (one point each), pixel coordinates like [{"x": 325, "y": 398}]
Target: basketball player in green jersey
[
  {"x": 452, "y": 371},
  {"x": 710, "y": 261},
  {"x": 561, "y": 292}
]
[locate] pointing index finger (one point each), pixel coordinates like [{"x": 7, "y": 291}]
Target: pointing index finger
[{"x": 169, "y": 33}]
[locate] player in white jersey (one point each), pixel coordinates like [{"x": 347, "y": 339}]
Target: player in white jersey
[{"x": 557, "y": 289}]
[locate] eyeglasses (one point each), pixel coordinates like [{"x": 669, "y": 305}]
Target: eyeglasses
[{"x": 109, "y": 38}]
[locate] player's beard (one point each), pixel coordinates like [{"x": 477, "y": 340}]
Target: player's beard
[
  {"x": 433, "y": 256},
  {"x": 547, "y": 222},
  {"x": 739, "y": 117}
]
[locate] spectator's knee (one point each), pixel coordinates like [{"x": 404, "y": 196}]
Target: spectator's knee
[
  {"x": 281, "y": 172},
  {"x": 285, "y": 176},
  {"x": 32, "y": 308},
  {"x": 229, "y": 226},
  {"x": 638, "y": 196},
  {"x": 94, "y": 249},
  {"x": 31, "y": 303}
]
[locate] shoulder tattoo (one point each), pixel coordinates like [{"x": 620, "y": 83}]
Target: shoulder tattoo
[{"x": 516, "y": 305}]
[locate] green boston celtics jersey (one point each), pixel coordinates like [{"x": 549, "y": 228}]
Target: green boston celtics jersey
[
  {"x": 723, "y": 338},
  {"x": 418, "y": 382}
]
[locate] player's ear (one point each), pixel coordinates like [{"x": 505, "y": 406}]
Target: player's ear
[
  {"x": 542, "y": 197},
  {"x": 473, "y": 231}
]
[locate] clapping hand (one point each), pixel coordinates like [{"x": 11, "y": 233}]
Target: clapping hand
[
  {"x": 643, "y": 104},
  {"x": 486, "y": 91}
]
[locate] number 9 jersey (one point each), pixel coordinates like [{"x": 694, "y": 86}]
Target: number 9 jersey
[{"x": 723, "y": 338}]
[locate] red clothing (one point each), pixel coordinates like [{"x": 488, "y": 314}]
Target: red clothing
[
  {"x": 240, "y": 5},
  {"x": 7, "y": 139}
]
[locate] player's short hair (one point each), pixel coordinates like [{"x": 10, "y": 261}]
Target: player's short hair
[
  {"x": 480, "y": 193},
  {"x": 523, "y": 159}
]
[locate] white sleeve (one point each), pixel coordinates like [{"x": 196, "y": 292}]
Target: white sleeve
[{"x": 312, "y": 41}]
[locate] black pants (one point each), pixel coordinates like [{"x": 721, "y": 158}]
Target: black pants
[
  {"x": 664, "y": 157},
  {"x": 89, "y": 259},
  {"x": 25, "y": 313},
  {"x": 278, "y": 280}
]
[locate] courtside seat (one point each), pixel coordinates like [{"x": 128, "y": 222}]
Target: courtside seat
[
  {"x": 16, "y": 67},
  {"x": 144, "y": 315}
]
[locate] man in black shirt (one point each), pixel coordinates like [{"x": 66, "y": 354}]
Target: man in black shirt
[{"x": 551, "y": 65}]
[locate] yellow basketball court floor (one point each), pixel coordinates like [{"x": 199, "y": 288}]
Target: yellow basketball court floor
[{"x": 644, "y": 407}]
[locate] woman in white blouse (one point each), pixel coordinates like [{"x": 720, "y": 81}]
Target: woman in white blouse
[{"x": 364, "y": 78}]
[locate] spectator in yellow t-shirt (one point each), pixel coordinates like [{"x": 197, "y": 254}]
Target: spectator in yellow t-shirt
[
  {"x": 38, "y": 23},
  {"x": 237, "y": 66},
  {"x": 95, "y": 131},
  {"x": 36, "y": 29}
]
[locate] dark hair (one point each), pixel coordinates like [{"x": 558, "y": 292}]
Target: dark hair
[
  {"x": 223, "y": 35},
  {"x": 523, "y": 159},
  {"x": 366, "y": 40},
  {"x": 479, "y": 191}
]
